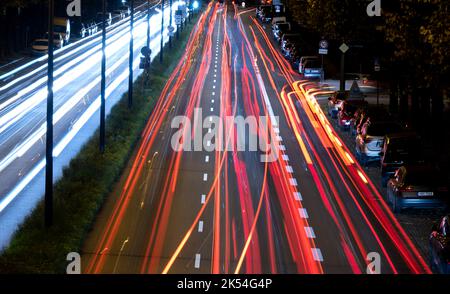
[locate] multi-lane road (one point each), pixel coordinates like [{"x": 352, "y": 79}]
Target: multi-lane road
[
  {"x": 23, "y": 95},
  {"x": 307, "y": 208}
]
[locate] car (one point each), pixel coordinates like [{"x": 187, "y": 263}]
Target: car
[
  {"x": 347, "y": 112},
  {"x": 262, "y": 10},
  {"x": 440, "y": 246},
  {"x": 303, "y": 60},
  {"x": 280, "y": 30},
  {"x": 369, "y": 142},
  {"x": 334, "y": 102},
  {"x": 39, "y": 47},
  {"x": 117, "y": 15},
  {"x": 58, "y": 40},
  {"x": 399, "y": 149},
  {"x": 79, "y": 30},
  {"x": 125, "y": 10},
  {"x": 312, "y": 68},
  {"x": 99, "y": 18},
  {"x": 417, "y": 186}
]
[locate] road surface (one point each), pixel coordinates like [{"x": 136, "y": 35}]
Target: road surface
[{"x": 307, "y": 208}]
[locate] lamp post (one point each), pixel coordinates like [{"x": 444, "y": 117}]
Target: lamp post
[
  {"x": 103, "y": 82},
  {"x": 49, "y": 137},
  {"x": 162, "y": 33},
  {"x": 130, "y": 76}
]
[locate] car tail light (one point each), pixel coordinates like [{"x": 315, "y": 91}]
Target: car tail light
[{"x": 406, "y": 189}]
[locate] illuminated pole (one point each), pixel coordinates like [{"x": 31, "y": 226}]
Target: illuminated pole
[
  {"x": 49, "y": 136},
  {"x": 103, "y": 83},
  {"x": 148, "y": 23},
  {"x": 130, "y": 76},
  {"x": 170, "y": 23},
  {"x": 162, "y": 33}
]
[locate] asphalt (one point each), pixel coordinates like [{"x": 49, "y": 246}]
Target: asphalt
[{"x": 310, "y": 211}]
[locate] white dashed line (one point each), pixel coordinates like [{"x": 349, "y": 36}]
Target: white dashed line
[
  {"x": 205, "y": 177},
  {"x": 212, "y": 100},
  {"x": 210, "y": 119},
  {"x": 212, "y": 109},
  {"x": 298, "y": 196},
  {"x": 285, "y": 157},
  {"x": 208, "y": 143},
  {"x": 293, "y": 182},
  {"x": 200, "y": 226},
  {"x": 279, "y": 138},
  {"x": 276, "y": 130},
  {"x": 317, "y": 254},
  {"x": 209, "y": 130},
  {"x": 303, "y": 213},
  {"x": 282, "y": 148},
  {"x": 214, "y": 80},
  {"x": 197, "y": 260},
  {"x": 310, "y": 232},
  {"x": 214, "y": 87},
  {"x": 207, "y": 158},
  {"x": 203, "y": 199},
  {"x": 214, "y": 93},
  {"x": 289, "y": 169}
]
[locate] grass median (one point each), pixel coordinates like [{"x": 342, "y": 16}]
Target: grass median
[{"x": 88, "y": 179}]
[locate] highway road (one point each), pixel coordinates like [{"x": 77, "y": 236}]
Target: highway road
[
  {"x": 23, "y": 95},
  {"x": 307, "y": 208}
]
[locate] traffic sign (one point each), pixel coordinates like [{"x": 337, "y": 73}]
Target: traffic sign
[
  {"x": 344, "y": 47},
  {"x": 323, "y": 44},
  {"x": 323, "y": 51}
]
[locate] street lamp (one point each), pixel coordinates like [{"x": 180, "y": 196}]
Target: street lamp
[
  {"x": 103, "y": 82},
  {"x": 49, "y": 137}
]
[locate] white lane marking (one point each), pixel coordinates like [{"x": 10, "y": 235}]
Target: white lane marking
[
  {"x": 293, "y": 182},
  {"x": 215, "y": 80},
  {"x": 212, "y": 109},
  {"x": 200, "y": 226},
  {"x": 215, "y": 70},
  {"x": 317, "y": 254},
  {"x": 303, "y": 213},
  {"x": 310, "y": 232},
  {"x": 279, "y": 138},
  {"x": 208, "y": 143},
  {"x": 209, "y": 130},
  {"x": 289, "y": 169},
  {"x": 215, "y": 65},
  {"x": 197, "y": 260},
  {"x": 203, "y": 199},
  {"x": 298, "y": 196},
  {"x": 205, "y": 177},
  {"x": 285, "y": 157},
  {"x": 276, "y": 130},
  {"x": 207, "y": 158},
  {"x": 214, "y": 87},
  {"x": 210, "y": 119},
  {"x": 282, "y": 148},
  {"x": 213, "y": 93},
  {"x": 212, "y": 100},
  {"x": 215, "y": 76}
]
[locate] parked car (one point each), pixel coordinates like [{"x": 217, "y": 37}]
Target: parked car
[
  {"x": 58, "y": 40},
  {"x": 125, "y": 10},
  {"x": 278, "y": 19},
  {"x": 347, "y": 112},
  {"x": 79, "y": 30},
  {"x": 61, "y": 25},
  {"x": 280, "y": 29},
  {"x": 419, "y": 186},
  {"x": 334, "y": 102},
  {"x": 369, "y": 142},
  {"x": 92, "y": 28},
  {"x": 39, "y": 47},
  {"x": 312, "y": 68},
  {"x": 303, "y": 60},
  {"x": 440, "y": 246},
  {"x": 399, "y": 149},
  {"x": 117, "y": 15},
  {"x": 262, "y": 11},
  {"x": 99, "y": 18}
]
